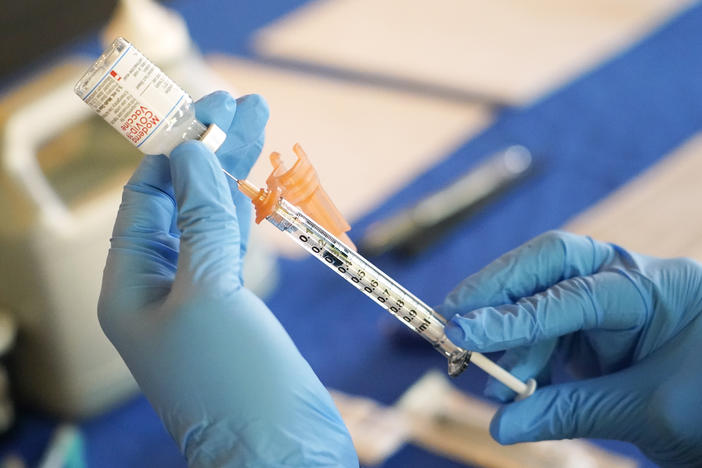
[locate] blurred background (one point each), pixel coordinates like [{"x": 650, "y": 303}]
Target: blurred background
[{"x": 394, "y": 102}]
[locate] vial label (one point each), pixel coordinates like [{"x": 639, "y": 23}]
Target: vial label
[{"x": 134, "y": 96}]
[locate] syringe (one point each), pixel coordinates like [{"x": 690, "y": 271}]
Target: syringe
[
  {"x": 300, "y": 185},
  {"x": 375, "y": 284}
]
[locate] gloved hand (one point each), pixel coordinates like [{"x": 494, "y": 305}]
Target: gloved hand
[
  {"x": 222, "y": 373},
  {"x": 628, "y": 325}
]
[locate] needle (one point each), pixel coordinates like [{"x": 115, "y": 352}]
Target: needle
[{"x": 230, "y": 176}]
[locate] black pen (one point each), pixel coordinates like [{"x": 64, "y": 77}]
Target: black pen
[{"x": 417, "y": 227}]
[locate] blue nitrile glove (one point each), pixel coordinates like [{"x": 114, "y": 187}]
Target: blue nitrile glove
[
  {"x": 222, "y": 373},
  {"x": 629, "y": 326}
]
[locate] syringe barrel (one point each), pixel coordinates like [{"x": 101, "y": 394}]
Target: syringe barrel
[{"x": 370, "y": 280}]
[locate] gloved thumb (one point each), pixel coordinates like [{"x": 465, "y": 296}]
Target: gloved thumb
[
  {"x": 598, "y": 408},
  {"x": 209, "y": 254}
]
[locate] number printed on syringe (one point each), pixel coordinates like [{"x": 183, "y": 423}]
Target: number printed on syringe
[{"x": 364, "y": 276}]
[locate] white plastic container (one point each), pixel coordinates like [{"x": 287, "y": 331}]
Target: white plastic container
[{"x": 53, "y": 247}]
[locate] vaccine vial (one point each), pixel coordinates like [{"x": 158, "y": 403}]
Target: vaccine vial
[{"x": 142, "y": 103}]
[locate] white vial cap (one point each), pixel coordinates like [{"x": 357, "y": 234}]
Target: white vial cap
[{"x": 213, "y": 137}]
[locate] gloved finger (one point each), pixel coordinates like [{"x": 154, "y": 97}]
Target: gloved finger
[
  {"x": 245, "y": 135},
  {"x": 528, "y": 269},
  {"x": 608, "y": 300},
  {"x": 144, "y": 249},
  {"x": 209, "y": 246},
  {"x": 526, "y": 362},
  {"x": 244, "y": 120},
  {"x": 244, "y": 215},
  {"x": 217, "y": 108},
  {"x": 599, "y": 408},
  {"x": 243, "y": 208},
  {"x": 148, "y": 204}
]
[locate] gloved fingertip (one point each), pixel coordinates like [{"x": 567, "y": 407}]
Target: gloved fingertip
[
  {"x": 445, "y": 311},
  {"x": 220, "y": 100},
  {"x": 500, "y": 428},
  {"x": 255, "y": 102},
  {"x": 229, "y": 102},
  {"x": 467, "y": 331},
  {"x": 217, "y": 108},
  {"x": 454, "y": 332},
  {"x": 245, "y": 135}
]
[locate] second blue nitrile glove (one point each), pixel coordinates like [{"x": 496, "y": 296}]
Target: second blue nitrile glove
[
  {"x": 220, "y": 370},
  {"x": 629, "y": 326}
]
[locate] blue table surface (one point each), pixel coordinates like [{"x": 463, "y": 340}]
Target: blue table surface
[{"x": 588, "y": 138}]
